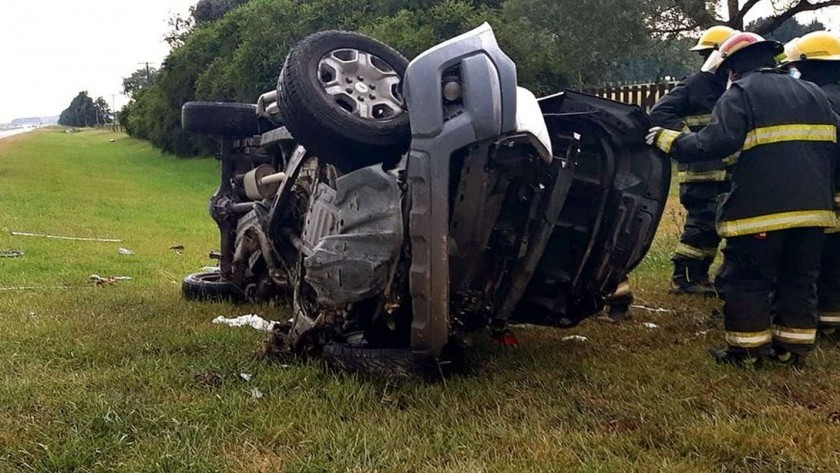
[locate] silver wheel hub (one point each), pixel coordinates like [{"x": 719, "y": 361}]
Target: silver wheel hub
[{"x": 362, "y": 84}]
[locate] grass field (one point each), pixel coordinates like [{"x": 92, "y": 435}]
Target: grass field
[{"x": 129, "y": 377}]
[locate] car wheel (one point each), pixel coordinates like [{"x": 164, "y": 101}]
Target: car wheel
[
  {"x": 395, "y": 362},
  {"x": 209, "y": 286},
  {"x": 391, "y": 362},
  {"x": 230, "y": 120},
  {"x": 340, "y": 95}
]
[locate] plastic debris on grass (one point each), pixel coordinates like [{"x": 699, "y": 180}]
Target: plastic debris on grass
[
  {"x": 574, "y": 338},
  {"x": 178, "y": 249},
  {"x": 211, "y": 269},
  {"x": 246, "y": 377},
  {"x": 32, "y": 288},
  {"x": 256, "y": 393},
  {"x": 58, "y": 237},
  {"x": 250, "y": 320},
  {"x": 98, "y": 280},
  {"x": 11, "y": 254},
  {"x": 526, "y": 327},
  {"x": 124, "y": 251},
  {"x": 650, "y": 325},
  {"x": 656, "y": 310}
]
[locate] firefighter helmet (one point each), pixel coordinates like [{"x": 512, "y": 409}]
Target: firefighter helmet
[
  {"x": 816, "y": 46},
  {"x": 746, "y": 51},
  {"x": 713, "y": 38},
  {"x": 712, "y": 62}
]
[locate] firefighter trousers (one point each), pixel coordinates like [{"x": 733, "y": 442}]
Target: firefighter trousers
[
  {"x": 699, "y": 241},
  {"x": 828, "y": 285},
  {"x": 770, "y": 282}
]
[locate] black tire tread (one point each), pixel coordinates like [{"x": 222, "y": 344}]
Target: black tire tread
[
  {"x": 391, "y": 362},
  {"x": 197, "y": 287},
  {"x": 226, "y": 119}
]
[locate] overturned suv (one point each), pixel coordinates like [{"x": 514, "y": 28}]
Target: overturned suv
[{"x": 399, "y": 207}]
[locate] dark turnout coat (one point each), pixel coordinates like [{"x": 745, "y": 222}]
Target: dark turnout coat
[
  {"x": 833, "y": 93},
  {"x": 688, "y": 107},
  {"x": 783, "y": 135}
]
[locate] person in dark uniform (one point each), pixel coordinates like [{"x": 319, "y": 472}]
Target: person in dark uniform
[
  {"x": 688, "y": 107},
  {"x": 815, "y": 57},
  {"x": 780, "y": 202}
]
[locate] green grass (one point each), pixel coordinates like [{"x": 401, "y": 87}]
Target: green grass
[{"x": 104, "y": 379}]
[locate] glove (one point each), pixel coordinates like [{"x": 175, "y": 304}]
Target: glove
[
  {"x": 662, "y": 138},
  {"x": 653, "y": 133}
]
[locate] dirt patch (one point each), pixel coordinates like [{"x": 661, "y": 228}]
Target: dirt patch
[{"x": 210, "y": 379}]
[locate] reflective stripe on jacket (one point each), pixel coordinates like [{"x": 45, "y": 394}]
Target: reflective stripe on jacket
[
  {"x": 688, "y": 107},
  {"x": 786, "y": 134}
]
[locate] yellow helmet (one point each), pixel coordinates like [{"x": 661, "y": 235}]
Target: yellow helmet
[
  {"x": 816, "y": 46},
  {"x": 713, "y": 38}
]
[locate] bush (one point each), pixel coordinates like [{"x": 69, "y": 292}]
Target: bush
[{"x": 238, "y": 56}]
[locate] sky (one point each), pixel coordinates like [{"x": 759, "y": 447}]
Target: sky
[
  {"x": 50, "y": 50},
  {"x": 829, "y": 16}
]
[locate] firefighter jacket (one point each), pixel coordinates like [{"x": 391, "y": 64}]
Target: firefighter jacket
[
  {"x": 833, "y": 93},
  {"x": 785, "y": 136},
  {"x": 832, "y": 90},
  {"x": 689, "y": 107}
]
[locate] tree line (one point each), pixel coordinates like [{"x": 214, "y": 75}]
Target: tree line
[
  {"x": 85, "y": 111},
  {"x": 232, "y": 50}
]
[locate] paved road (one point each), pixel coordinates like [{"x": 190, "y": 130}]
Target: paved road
[{"x": 16, "y": 131}]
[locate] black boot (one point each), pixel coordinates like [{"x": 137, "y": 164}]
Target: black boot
[
  {"x": 786, "y": 358},
  {"x": 691, "y": 278},
  {"x": 726, "y": 357},
  {"x": 703, "y": 269}
]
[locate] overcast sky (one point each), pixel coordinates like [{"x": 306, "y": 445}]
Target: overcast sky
[{"x": 52, "y": 49}]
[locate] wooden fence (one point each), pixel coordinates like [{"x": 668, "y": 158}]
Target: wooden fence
[{"x": 643, "y": 95}]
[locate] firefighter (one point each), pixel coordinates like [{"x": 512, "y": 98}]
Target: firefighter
[
  {"x": 688, "y": 107},
  {"x": 815, "y": 57},
  {"x": 780, "y": 202}
]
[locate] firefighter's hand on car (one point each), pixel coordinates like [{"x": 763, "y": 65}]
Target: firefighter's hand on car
[
  {"x": 662, "y": 138},
  {"x": 652, "y": 134}
]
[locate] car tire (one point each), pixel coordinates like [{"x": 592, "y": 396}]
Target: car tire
[
  {"x": 325, "y": 123},
  {"x": 225, "y": 119},
  {"x": 395, "y": 362},
  {"x": 209, "y": 287},
  {"x": 390, "y": 362}
]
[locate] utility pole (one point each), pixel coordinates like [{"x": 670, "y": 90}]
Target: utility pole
[
  {"x": 114, "y": 113},
  {"x": 148, "y": 72}
]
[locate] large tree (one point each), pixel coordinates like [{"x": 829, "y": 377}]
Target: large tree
[
  {"x": 84, "y": 111},
  {"x": 232, "y": 50},
  {"x": 103, "y": 111},
  {"x": 202, "y": 12},
  {"x": 680, "y": 16},
  {"x": 81, "y": 112},
  {"x": 788, "y": 30}
]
